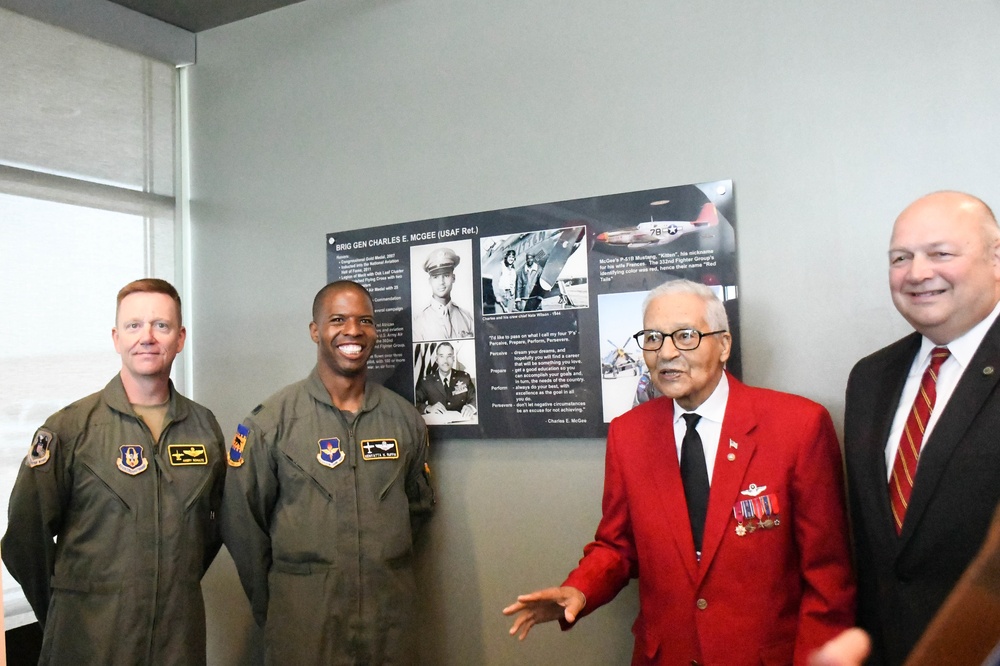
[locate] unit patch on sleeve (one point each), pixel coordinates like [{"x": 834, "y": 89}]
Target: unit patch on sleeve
[
  {"x": 379, "y": 449},
  {"x": 235, "y": 457},
  {"x": 41, "y": 448},
  {"x": 131, "y": 460},
  {"x": 187, "y": 454}
]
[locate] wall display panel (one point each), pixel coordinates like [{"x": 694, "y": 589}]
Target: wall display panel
[{"x": 519, "y": 322}]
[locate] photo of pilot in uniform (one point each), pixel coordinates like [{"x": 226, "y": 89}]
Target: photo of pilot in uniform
[
  {"x": 442, "y": 319},
  {"x": 445, "y": 394}
]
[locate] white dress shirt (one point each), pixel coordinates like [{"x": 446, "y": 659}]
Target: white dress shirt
[
  {"x": 962, "y": 350},
  {"x": 709, "y": 427}
]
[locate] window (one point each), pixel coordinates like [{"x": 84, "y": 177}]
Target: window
[{"x": 86, "y": 205}]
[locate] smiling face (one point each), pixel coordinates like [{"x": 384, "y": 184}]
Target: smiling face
[
  {"x": 944, "y": 265},
  {"x": 148, "y": 334},
  {"x": 689, "y": 377},
  {"x": 344, "y": 331}
]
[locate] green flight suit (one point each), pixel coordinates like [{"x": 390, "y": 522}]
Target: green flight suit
[
  {"x": 319, "y": 516},
  {"x": 109, "y": 532}
]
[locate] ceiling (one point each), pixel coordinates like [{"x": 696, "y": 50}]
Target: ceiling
[{"x": 198, "y": 15}]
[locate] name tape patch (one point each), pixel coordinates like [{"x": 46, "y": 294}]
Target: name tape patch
[
  {"x": 187, "y": 454},
  {"x": 379, "y": 449}
]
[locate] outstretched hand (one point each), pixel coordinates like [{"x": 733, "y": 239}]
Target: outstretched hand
[
  {"x": 544, "y": 606},
  {"x": 849, "y": 648}
]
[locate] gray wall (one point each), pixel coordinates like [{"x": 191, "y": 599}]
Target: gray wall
[{"x": 339, "y": 115}]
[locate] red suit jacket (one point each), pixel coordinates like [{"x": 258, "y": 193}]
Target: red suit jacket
[{"x": 770, "y": 596}]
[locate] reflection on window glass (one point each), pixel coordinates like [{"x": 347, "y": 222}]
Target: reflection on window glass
[{"x": 62, "y": 268}]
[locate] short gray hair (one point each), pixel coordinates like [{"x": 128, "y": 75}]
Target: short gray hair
[{"x": 715, "y": 312}]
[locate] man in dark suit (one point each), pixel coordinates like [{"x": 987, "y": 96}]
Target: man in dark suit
[
  {"x": 930, "y": 398},
  {"x": 966, "y": 629},
  {"x": 726, "y": 501}
]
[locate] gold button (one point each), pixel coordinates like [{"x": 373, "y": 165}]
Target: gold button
[
  {"x": 702, "y": 604},
  {"x": 731, "y": 457}
]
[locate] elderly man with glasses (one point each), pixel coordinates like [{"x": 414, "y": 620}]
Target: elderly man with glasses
[{"x": 724, "y": 500}]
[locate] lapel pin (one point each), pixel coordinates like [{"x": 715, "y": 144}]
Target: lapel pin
[
  {"x": 988, "y": 370},
  {"x": 731, "y": 457},
  {"x": 733, "y": 445}
]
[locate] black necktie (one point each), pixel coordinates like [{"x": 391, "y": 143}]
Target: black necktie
[{"x": 694, "y": 476}]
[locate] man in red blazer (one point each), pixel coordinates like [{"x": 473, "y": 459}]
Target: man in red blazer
[{"x": 771, "y": 579}]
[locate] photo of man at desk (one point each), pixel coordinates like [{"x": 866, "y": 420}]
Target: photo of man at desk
[{"x": 446, "y": 394}]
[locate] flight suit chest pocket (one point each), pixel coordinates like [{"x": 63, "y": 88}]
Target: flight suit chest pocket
[
  {"x": 99, "y": 485},
  {"x": 188, "y": 472},
  {"x": 195, "y": 487},
  {"x": 325, "y": 469},
  {"x": 391, "y": 477},
  {"x": 388, "y": 483}
]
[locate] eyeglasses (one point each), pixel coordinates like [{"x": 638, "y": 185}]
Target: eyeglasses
[{"x": 685, "y": 339}]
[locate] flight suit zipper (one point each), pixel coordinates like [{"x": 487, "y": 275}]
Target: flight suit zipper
[
  {"x": 157, "y": 518},
  {"x": 351, "y": 451}
]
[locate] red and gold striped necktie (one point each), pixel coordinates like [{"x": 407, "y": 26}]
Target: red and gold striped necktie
[{"x": 904, "y": 469}]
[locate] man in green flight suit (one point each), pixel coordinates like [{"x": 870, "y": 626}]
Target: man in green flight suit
[
  {"x": 328, "y": 487},
  {"x": 112, "y": 517}
]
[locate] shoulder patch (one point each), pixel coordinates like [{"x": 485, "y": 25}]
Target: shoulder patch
[
  {"x": 235, "y": 457},
  {"x": 41, "y": 448}
]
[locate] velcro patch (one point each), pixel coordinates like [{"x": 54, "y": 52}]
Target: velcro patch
[
  {"x": 41, "y": 448},
  {"x": 187, "y": 454},
  {"x": 379, "y": 449},
  {"x": 235, "y": 457},
  {"x": 131, "y": 461},
  {"x": 330, "y": 453}
]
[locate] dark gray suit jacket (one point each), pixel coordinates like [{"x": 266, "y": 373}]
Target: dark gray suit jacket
[{"x": 903, "y": 580}]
